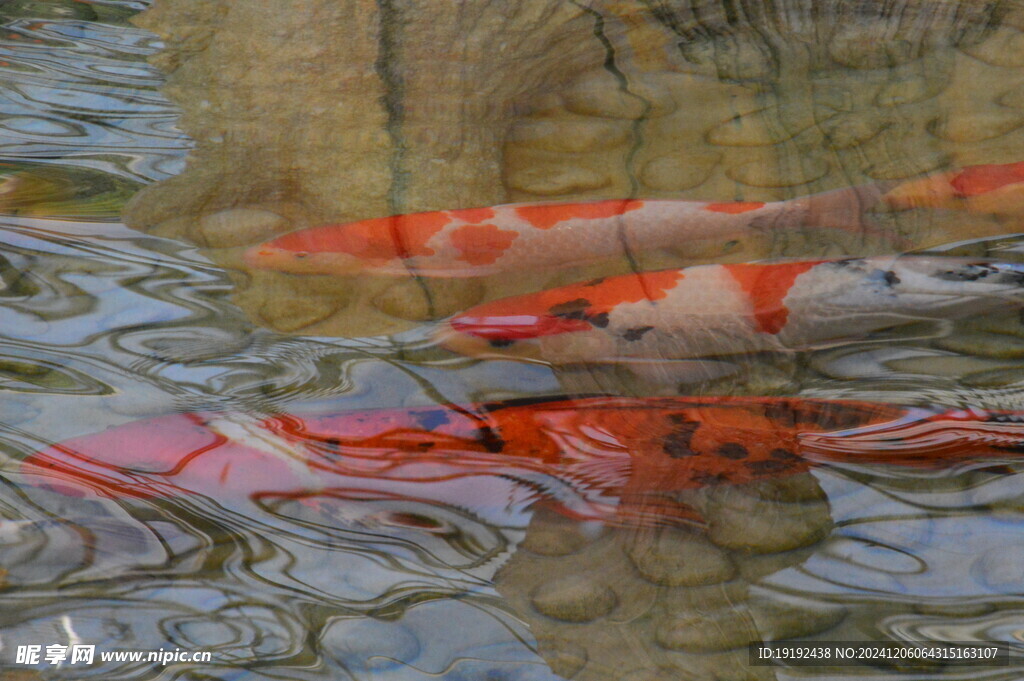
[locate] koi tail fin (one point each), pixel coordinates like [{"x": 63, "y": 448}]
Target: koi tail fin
[{"x": 996, "y": 188}]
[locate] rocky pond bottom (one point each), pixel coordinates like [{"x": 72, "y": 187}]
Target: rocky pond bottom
[{"x": 327, "y": 112}]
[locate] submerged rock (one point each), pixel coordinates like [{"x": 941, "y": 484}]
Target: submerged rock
[{"x": 350, "y": 110}]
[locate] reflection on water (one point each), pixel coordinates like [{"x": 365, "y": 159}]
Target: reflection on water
[{"x": 308, "y": 536}]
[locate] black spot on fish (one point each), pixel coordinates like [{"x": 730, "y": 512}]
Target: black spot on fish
[
  {"x": 768, "y": 466},
  {"x": 636, "y": 333},
  {"x": 573, "y": 309},
  {"x": 500, "y": 342},
  {"x": 969, "y": 272},
  {"x": 836, "y": 417},
  {"x": 782, "y": 413},
  {"x": 491, "y": 441},
  {"x": 595, "y": 282},
  {"x": 677, "y": 443},
  {"x": 432, "y": 418},
  {"x": 783, "y": 455},
  {"x": 599, "y": 320},
  {"x": 733, "y": 450},
  {"x": 886, "y": 277},
  {"x": 709, "y": 479},
  {"x": 424, "y": 446}
]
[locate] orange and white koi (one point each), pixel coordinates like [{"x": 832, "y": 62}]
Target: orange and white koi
[
  {"x": 990, "y": 188},
  {"x": 482, "y": 241},
  {"x": 711, "y": 310},
  {"x": 605, "y": 458}
]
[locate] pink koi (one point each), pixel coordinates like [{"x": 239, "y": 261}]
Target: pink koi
[{"x": 620, "y": 456}]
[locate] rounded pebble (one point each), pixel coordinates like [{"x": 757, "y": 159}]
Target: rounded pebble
[
  {"x": 424, "y": 300},
  {"x": 555, "y": 540},
  {"x": 238, "y": 227},
  {"x": 1013, "y": 98},
  {"x": 845, "y": 131},
  {"x": 996, "y": 378},
  {"x": 994, "y": 345},
  {"x": 906, "y": 167},
  {"x": 862, "y": 52},
  {"x": 706, "y": 598},
  {"x": 1004, "y": 46},
  {"x": 678, "y": 171},
  {"x": 792, "y": 489},
  {"x": 910, "y": 90},
  {"x": 557, "y": 180},
  {"x": 756, "y": 129},
  {"x": 565, "y": 658},
  {"x": 293, "y": 314},
  {"x": 707, "y": 632},
  {"x": 780, "y": 619},
  {"x": 978, "y": 126},
  {"x": 602, "y": 96},
  {"x": 676, "y": 557},
  {"x": 780, "y": 172},
  {"x": 574, "y": 135},
  {"x": 743, "y": 522},
  {"x": 576, "y": 598}
]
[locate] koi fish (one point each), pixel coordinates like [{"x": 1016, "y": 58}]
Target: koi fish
[
  {"x": 991, "y": 188},
  {"x": 591, "y": 458},
  {"x": 711, "y": 310},
  {"x": 482, "y": 241}
]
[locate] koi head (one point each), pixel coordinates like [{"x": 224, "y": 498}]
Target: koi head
[
  {"x": 561, "y": 321},
  {"x": 352, "y": 247},
  {"x": 960, "y": 280},
  {"x": 297, "y": 253}
]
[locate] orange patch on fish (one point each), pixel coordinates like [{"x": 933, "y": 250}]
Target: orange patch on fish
[
  {"x": 547, "y": 215},
  {"x": 981, "y": 179},
  {"x": 482, "y": 244},
  {"x": 578, "y": 307},
  {"x": 767, "y": 286},
  {"x": 734, "y": 207},
  {"x": 398, "y": 236},
  {"x": 473, "y": 215}
]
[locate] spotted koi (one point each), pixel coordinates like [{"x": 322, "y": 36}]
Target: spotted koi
[
  {"x": 990, "y": 188},
  {"x": 483, "y": 241},
  {"x": 711, "y": 310},
  {"x": 614, "y": 455}
]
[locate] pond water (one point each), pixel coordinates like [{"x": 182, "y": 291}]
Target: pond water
[{"x": 479, "y": 560}]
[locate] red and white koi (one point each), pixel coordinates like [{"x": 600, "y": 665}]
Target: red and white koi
[
  {"x": 990, "y": 188},
  {"x": 711, "y": 310},
  {"x": 605, "y": 458},
  {"x": 509, "y": 238}
]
